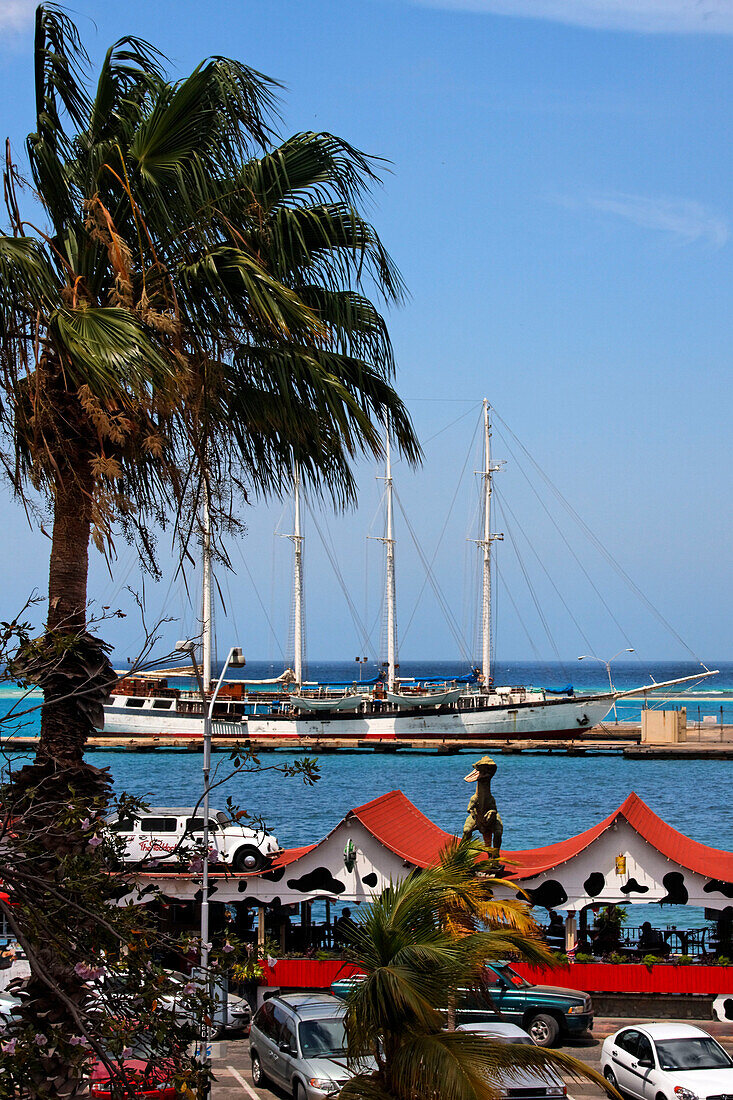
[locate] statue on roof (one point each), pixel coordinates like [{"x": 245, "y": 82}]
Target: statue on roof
[{"x": 482, "y": 812}]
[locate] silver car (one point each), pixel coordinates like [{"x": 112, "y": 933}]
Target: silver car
[
  {"x": 525, "y": 1083},
  {"x": 298, "y": 1041}
]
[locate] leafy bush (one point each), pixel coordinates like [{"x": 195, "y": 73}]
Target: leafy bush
[
  {"x": 651, "y": 960},
  {"x": 583, "y": 957}
]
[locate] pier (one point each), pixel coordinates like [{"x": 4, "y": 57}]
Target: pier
[{"x": 703, "y": 743}]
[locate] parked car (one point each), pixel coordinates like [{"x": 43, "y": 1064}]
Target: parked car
[
  {"x": 527, "y": 1084},
  {"x": 8, "y": 1001},
  {"x": 667, "y": 1061},
  {"x": 164, "y": 831},
  {"x": 298, "y": 1041},
  {"x": 232, "y": 1013},
  {"x": 546, "y": 1012},
  {"x": 150, "y": 1075}
]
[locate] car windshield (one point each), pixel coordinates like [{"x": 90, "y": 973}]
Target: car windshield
[
  {"x": 510, "y": 975},
  {"x": 702, "y": 1053},
  {"x": 322, "y": 1037}
]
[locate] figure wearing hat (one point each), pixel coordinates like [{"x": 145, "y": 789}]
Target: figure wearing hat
[{"x": 482, "y": 812}]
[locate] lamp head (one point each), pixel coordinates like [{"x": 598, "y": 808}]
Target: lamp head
[
  {"x": 237, "y": 659},
  {"x": 184, "y": 645}
]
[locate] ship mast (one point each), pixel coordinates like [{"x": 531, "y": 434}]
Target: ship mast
[
  {"x": 389, "y": 544},
  {"x": 206, "y": 594},
  {"x": 297, "y": 540},
  {"x": 485, "y": 545}
]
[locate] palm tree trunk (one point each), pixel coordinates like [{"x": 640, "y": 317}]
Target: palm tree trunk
[{"x": 64, "y": 728}]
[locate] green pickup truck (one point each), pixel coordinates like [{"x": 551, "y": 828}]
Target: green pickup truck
[{"x": 547, "y": 1012}]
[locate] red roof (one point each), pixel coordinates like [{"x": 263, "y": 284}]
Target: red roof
[
  {"x": 289, "y": 855},
  {"x": 398, "y": 825},
  {"x": 681, "y": 849}
]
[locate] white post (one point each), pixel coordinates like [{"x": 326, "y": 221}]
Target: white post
[
  {"x": 486, "y": 546},
  {"x": 389, "y": 542},
  {"x": 297, "y": 539},
  {"x": 206, "y": 594}
]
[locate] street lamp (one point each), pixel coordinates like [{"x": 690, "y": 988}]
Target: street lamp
[
  {"x": 235, "y": 659},
  {"x": 590, "y": 657}
]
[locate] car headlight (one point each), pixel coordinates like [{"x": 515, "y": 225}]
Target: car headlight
[
  {"x": 325, "y": 1084},
  {"x": 575, "y": 1009},
  {"x": 684, "y": 1094}
]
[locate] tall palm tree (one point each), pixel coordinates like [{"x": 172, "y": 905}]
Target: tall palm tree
[
  {"x": 397, "y": 1013},
  {"x": 185, "y": 314},
  {"x": 191, "y": 320}
]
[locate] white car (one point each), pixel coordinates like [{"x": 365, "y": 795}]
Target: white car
[
  {"x": 164, "y": 832},
  {"x": 667, "y": 1061},
  {"x": 529, "y": 1084},
  {"x": 231, "y": 1013}
]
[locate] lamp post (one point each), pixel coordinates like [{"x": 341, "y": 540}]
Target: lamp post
[
  {"x": 591, "y": 657},
  {"x": 235, "y": 659}
]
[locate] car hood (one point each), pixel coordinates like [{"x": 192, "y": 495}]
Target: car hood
[
  {"x": 335, "y": 1068},
  {"x": 703, "y": 1082},
  {"x": 155, "y": 1073},
  {"x": 558, "y": 991}
]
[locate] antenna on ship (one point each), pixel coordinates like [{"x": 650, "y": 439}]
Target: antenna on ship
[{"x": 485, "y": 547}]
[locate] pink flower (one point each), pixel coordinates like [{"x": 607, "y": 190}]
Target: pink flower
[
  {"x": 227, "y": 947},
  {"x": 196, "y": 865},
  {"x": 189, "y": 988},
  {"x": 40, "y": 1040},
  {"x": 84, "y": 825},
  {"x": 9, "y": 1047},
  {"x": 213, "y": 855},
  {"x": 94, "y": 841},
  {"x": 126, "y": 1053},
  {"x": 87, "y": 972},
  {"x": 77, "y": 1041}
]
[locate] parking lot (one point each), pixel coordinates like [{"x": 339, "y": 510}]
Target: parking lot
[{"x": 234, "y": 1080}]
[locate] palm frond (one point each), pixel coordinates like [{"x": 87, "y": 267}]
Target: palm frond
[{"x": 109, "y": 351}]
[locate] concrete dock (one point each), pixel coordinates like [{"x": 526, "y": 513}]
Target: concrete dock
[{"x": 703, "y": 743}]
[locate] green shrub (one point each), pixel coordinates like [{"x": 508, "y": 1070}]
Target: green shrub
[
  {"x": 583, "y": 957},
  {"x": 651, "y": 960}
]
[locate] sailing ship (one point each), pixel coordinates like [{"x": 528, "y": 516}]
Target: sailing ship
[{"x": 466, "y": 707}]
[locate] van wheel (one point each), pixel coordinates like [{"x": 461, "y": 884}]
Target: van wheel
[
  {"x": 543, "y": 1030},
  {"x": 610, "y": 1077},
  {"x": 258, "y": 1074},
  {"x": 299, "y": 1091},
  {"x": 248, "y": 858}
]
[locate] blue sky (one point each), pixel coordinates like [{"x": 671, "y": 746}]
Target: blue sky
[{"x": 559, "y": 202}]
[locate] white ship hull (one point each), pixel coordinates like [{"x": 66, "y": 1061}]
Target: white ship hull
[{"x": 533, "y": 718}]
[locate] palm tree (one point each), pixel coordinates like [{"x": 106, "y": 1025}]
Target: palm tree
[
  {"x": 185, "y": 316},
  {"x": 413, "y": 959},
  {"x": 193, "y": 308}
]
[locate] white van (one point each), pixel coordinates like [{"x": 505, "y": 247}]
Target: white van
[{"x": 164, "y": 832}]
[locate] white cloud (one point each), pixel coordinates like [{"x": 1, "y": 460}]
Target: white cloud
[
  {"x": 689, "y": 222},
  {"x": 645, "y": 16},
  {"x": 16, "y": 15}
]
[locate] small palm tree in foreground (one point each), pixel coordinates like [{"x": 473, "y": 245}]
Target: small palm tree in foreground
[{"x": 414, "y": 957}]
